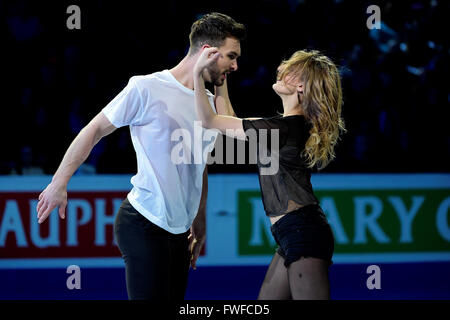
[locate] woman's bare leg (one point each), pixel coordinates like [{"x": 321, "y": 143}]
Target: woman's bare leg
[
  {"x": 276, "y": 284},
  {"x": 308, "y": 279}
]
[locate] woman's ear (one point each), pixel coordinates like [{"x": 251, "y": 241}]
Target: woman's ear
[{"x": 300, "y": 93}]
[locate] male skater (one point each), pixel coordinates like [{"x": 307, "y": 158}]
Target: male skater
[{"x": 160, "y": 227}]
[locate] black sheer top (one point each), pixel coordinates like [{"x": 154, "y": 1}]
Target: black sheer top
[{"x": 289, "y": 187}]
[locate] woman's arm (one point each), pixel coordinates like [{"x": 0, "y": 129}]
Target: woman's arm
[
  {"x": 229, "y": 125},
  {"x": 222, "y": 100},
  {"x": 223, "y": 103}
]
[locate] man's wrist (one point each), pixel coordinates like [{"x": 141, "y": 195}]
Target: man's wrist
[
  {"x": 60, "y": 181},
  {"x": 199, "y": 222}
]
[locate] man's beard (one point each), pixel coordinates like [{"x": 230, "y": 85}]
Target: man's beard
[{"x": 215, "y": 75}]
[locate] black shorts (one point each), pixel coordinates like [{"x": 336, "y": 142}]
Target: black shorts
[{"x": 304, "y": 232}]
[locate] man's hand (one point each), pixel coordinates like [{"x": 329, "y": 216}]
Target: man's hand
[
  {"x": 55, "y": 195},
  {"x": 197, "y": 240}
]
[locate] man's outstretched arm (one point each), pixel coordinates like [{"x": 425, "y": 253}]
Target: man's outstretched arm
[{"x": 55, "y": 195}]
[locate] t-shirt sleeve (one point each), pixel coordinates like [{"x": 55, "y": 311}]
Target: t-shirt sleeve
[
  {"x": 127, "y": 107},
  {"x": 271, "y": 126}
]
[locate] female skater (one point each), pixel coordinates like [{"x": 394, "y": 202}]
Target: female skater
[{"x": 310, "y": 88}]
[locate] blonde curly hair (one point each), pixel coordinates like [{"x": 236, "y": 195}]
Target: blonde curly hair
[{"x": 321, "y": 103}]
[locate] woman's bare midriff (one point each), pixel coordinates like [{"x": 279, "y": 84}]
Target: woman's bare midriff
[
  {"x": 291, "y": 207},
  {"x": 275, "y": 219}
]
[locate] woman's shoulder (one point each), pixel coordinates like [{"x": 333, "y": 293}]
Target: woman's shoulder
[
  {"x": 276, "y": 122},
  {"x": 288, "y": 120}
]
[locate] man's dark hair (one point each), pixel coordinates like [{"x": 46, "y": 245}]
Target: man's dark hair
[{"x": 213, "y": 28}]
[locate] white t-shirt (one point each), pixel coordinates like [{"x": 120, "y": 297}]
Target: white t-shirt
[{"x": 169, "y": 148}]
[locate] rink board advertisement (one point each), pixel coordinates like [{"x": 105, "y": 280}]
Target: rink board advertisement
[{"x": 374, "y": 218}]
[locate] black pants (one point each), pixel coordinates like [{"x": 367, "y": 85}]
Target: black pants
[{"x": 156, "y": 261}]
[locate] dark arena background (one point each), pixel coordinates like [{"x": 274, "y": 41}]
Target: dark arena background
[{"x": 386, "y": 195}]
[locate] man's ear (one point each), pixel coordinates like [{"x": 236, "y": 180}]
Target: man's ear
[{"x": 203, "y": 47}]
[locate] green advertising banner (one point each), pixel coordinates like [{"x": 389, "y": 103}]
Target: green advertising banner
[{"x": 363, "y": 221}]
